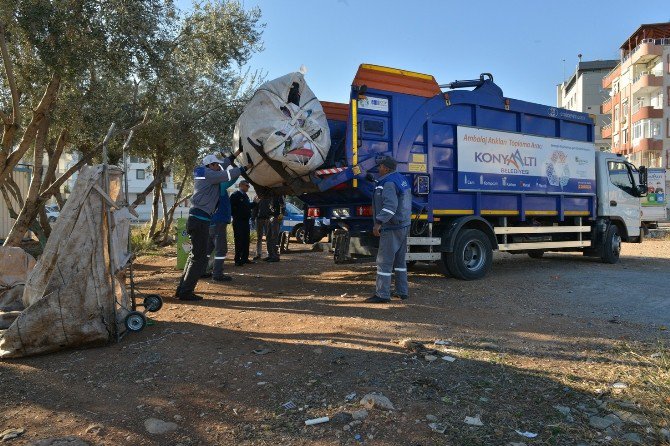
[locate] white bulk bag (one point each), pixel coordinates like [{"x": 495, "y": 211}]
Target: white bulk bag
[{"x": 292, "y": 130}]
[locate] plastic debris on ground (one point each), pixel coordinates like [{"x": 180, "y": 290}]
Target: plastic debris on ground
[
  {"x": 449, "y": 358},
  {"x": 314, "y": 421},
  {"x": 289, "y": 405},
  {"x": 526, "y": 434},
  {"x": 350, "y": 397},
  {"x": 474, "y": 421},
  {"x": 442, "y": 342},
  {"x": 437, "y": 427},
  {"x": 262, "y": 351}
]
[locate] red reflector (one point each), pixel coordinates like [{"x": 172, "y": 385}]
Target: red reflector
[
  {"x": 313, "y": 212},
  {"x": 364, "y": 211}
]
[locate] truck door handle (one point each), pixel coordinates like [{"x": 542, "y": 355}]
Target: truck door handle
[{"x": 612, "y": 203}]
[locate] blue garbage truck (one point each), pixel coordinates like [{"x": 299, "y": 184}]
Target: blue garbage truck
[{"x": 488, "y": 173}]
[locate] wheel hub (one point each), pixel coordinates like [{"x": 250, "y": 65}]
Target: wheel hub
[{"x": 473, "y": 257}]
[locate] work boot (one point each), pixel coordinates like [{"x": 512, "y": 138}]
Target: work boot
[
  {"x": 257, "y": 258},
  {"x": 400, "y": 296},
  {"x": 207, "y": 275},
  {"x": 190, "y": 297},
  {"x": 377, "y": 300},
  {"x": 223, "y": 278},
  {"x": 272, "y": 259}
]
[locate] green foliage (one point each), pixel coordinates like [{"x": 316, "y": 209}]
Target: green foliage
[{"x": 140, "y": 243}]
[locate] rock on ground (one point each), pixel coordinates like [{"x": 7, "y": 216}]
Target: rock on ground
[
  {"x": 159, "y": 427},
  {"x": 372, "y": 400}
]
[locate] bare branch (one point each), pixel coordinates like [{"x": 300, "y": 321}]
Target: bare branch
[
  {"x": 31, "y": 131},
  {"x": 86, "y": 157},
  {"x": 54, "y": 157},
  {"x": 9, "y": 71}
]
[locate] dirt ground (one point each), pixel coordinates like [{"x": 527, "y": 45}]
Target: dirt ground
[{"x": 564, "y": 349}]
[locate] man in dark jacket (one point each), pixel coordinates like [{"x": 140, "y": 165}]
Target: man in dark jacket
[
  {"x": 262, "y": 221},
  {"x": 241, "y": 206},
  {"x": 274, "y": 227},
  {"x": 206, "y": 181}
]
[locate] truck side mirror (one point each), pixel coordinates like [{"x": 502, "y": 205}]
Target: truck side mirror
[
  {"x": 643, "y": 175},
  {"x": 643, "y": 187}
]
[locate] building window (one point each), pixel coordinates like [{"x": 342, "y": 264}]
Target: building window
[{"x": 140, "y": 174}]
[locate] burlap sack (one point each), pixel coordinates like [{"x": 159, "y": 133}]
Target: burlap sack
[{"x": 70, "y": 296}]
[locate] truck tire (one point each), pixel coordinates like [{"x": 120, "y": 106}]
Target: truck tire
[
  {"x": 472, "y": 256},
  {"x": 611, "y": 245},
  {"x": 536, "y": 254}
]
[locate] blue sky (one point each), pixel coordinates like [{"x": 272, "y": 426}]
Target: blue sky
[{"x": 522, "y": 43}]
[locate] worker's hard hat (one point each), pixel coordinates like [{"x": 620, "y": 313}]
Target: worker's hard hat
[{"x": 209, "y": 159}]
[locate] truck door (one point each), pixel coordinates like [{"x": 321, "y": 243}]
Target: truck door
[{"x": 623, "y": 198}]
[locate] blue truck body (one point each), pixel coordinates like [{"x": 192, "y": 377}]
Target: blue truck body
[{"x": 421, "y": 134}]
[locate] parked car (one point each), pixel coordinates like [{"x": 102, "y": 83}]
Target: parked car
[
  {"x": 52, "y": 211},
  {"x": 293, "y": 222}
]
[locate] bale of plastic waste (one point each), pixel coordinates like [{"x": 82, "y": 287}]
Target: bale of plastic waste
[{"x": 282, "y": 132}]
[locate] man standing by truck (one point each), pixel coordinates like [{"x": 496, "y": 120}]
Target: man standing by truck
[
  {"x": 206, "y": 179},
  {"x": 392, "y": 211},
  {"x": 241, "y": 208},
  {"x": 262, "y": 211},
  {"x": 277, "y": 209}
]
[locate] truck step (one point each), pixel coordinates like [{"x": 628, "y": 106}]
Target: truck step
[
  {"x": 540, "y": 229},
  {"x": 544, "y": 245},
  {"x": 423, "y": 256},
  {"x": 424, "y": 241}
]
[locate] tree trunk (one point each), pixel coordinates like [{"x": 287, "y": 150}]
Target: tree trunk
[
  {"x": 44, "y": 224},
  {"x": 169, "y": 215},
  {"x": 33, "y": 201},
  {"x": 9, "y": 160},
  {"x": 157, "y": 180},
  {"x": 158, "y": 191}
]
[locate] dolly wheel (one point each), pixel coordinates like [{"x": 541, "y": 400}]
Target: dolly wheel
[
  {"x": 153, "y": 302},
  {"x": 136, "y": 321}
]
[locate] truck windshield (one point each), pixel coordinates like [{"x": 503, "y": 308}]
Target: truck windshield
[{"x": 621, "y": 176}]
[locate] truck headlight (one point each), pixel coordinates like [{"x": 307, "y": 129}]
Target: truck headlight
[{"x": 340, "y": 212}]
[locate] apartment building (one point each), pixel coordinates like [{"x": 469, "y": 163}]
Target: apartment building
[
  {"x": 583, "y": 92},
  {"x": 639, "y": 97}
]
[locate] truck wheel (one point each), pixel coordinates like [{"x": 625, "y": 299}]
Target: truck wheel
[
  {"x": 536, "y": 254},
  {"x": 299, "y": 234},
  {"x": 472, "y": 257},
  {"x": 611, "y": 245}
]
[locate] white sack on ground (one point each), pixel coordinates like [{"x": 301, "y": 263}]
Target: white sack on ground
[
  {"x": 15, "y": 264},
  {"x": 69, "y": 296},
  {"x": 287, "y": 120}
]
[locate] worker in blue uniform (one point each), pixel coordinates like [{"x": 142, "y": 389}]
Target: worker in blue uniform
[
  {"x": 218, "y": 233},
  {"x": 392, "y": 212},
  {"x": 205, "y": 199}
]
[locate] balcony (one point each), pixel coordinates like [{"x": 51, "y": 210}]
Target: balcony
[
  {"x": 647, "y": 50},
  {"x": 646, "y": 82},
  {"x": 606, "y": 131},
  {"x": 647, "y": 113},
  {"x": 606, "y": 107},
  {"x": 648, "y": 144},
  {"x": 609, "y": 77}
]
